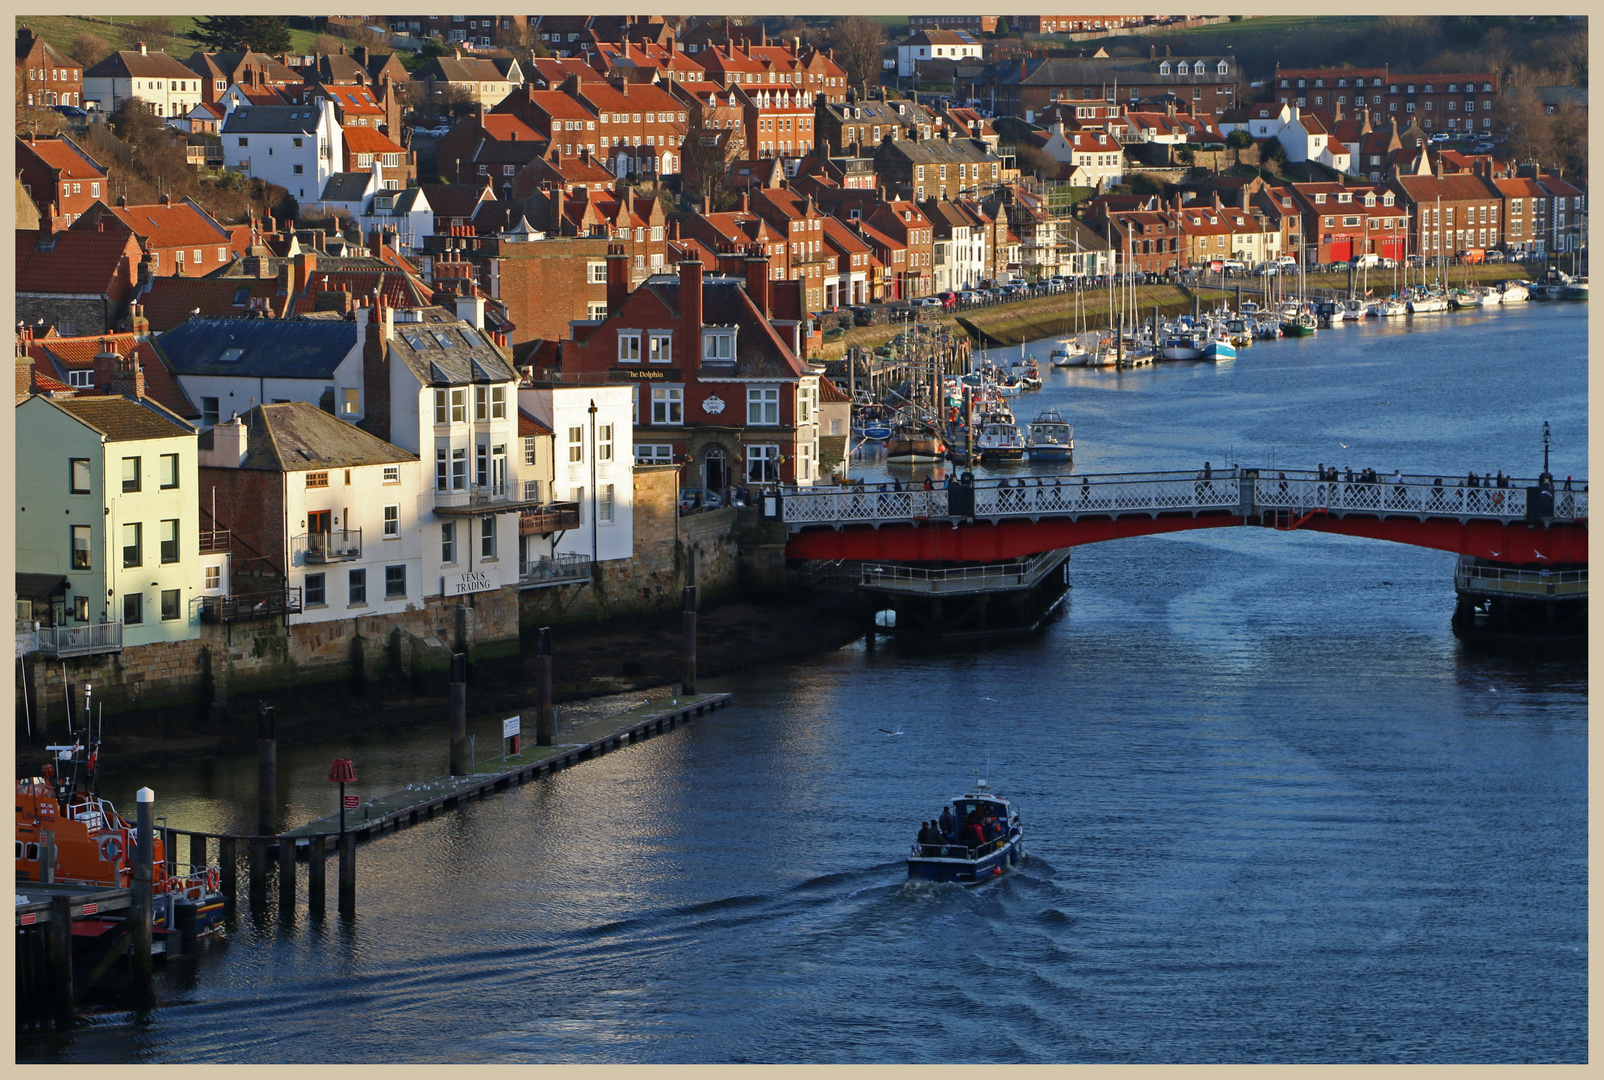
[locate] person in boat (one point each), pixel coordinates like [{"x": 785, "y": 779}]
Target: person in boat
[{"x": 945, "y": 822}]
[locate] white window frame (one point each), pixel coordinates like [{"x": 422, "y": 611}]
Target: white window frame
[
  {"x": 654, "y": 453},
  {"x": 668, "y": 406},
  {"x": 660, "y": 347},
  {"x": 629, "y": 346},
  {"x": 763, "y": 406}
]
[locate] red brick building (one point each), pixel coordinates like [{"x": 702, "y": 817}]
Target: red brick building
[
  {"x": 49, "y": 76},
  {"x": 177, "y": 238},
  {"x": 721, "y": 387},
  {"x": 59, "y": 177}
]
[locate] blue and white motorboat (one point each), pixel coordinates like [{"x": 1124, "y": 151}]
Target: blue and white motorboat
[
  {"x": 965, "y": 857},
  {"x": 1051, "y": 437},
  {"x": 1219, "y": 348},
  {"x": 877, "y": 432}
]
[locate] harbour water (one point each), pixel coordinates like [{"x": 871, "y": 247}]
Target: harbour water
[{"x": 1274, "y": 810}]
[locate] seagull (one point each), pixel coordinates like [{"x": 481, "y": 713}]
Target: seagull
[
  {"x": 1494, "y": 554},
  {"x": 888, "y": 731},
  {"x": 1540, "y": 555},
  {"x": 1343, "y": 445}
]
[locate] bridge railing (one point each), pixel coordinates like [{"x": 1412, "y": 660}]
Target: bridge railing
[{"x": 1155, "y": 493}]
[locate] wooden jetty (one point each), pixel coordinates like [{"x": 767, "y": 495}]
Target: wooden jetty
[{"x": 405, "y": 807}]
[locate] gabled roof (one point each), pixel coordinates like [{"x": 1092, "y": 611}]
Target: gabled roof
[
  {"x": 463, "y": 69},
  {"x": 182, "y": 224},
  {"x": 63, "y": 155},
  {"x": 258, "y": 348},
  {"x": 456, "y": 200},
  {"x": 70, "y": 262},
  {"x": 130, "y": 63},
  {"x": 1456, "y": 186},
  {"x": 297, "y": 436},
  {"x": 347, "y": 186},
  {"x": 529, "y": 427},
  {"x": 122, "y": 419},
  {"x": 830, "y": 393}
]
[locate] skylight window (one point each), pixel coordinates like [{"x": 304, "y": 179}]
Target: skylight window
[
  {"x": 231, "y": 355},
  {"x": 443, "y": 338}
]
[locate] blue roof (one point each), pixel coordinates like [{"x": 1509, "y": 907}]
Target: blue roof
[{"x": 258, "y": 348}]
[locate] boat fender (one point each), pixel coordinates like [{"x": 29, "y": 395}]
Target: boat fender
[{"x": 111, "y": 849}]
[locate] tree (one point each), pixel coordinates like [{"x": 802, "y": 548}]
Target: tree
[
  {"x": 860, "y": 45},
  {"x": 1036, "y": 161},
  {"x": 1239, "y": 140},
  {"x": 705, "y": 159},
  {"x": 90, "y": 49},
  {"x": 224, "y": 33}
]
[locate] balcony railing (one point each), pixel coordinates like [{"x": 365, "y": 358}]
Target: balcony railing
[
  {"x": 1507, "y": 581},
  {"x": 338, "y": 545},
  {"x": 64, "y": 641},
  {"x": 220, "y": 609},
  {"x": 217, "y": 540},
  {"x": 558, "y": 570},
  {"x": 542, "y": 520}
]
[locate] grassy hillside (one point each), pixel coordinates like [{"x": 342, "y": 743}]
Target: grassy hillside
[{"x": 167, "y": 32}]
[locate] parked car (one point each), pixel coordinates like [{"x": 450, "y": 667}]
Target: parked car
[
  {"x": 1233, "y": 266},
  {"x": 699, "y": 499},
  {"x": 928, "y": 302},
  {"x": 1482, "y": 148},
  {"x": 1287, "y": 260},
  {"x": 1441, "y": 136},
  {"x": 1360, "y": 262},
  {"x": 949, "y": 300},
  {"x": 1496, "y": 257}
]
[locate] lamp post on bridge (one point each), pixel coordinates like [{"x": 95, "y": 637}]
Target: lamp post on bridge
[{"x": 1546, "y": 480}]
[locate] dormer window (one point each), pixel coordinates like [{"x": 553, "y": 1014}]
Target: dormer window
[
  {"x": 1453, "y": 88},
  {"x": 1386, "y": 199},
  {"x": 1319, "y": 82},
  {"x": 718, "y": 346},
  {"x": 1486, "y": 87},
  {"x": 1320, "y": 198},
  {"x": 1301, "y": 84},
  {"x": 1184, "y": 69},
  {"x": 1410, "y": 88},
  {"x": 1223, "y": 68},
  {"x": 1370, "y": 198},
  {"x": 1164, "y": 68},
  {"x": 1342, "y": 83},
  {"x": 1344, "y": 197}
]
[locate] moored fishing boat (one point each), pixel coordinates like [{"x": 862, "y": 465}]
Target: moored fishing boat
[
  {"x": 1051, "y": 437},
  {"x": 977, "y": 837},
  {"x": 914, "y": 441},
  {"x": 1000, "y": 440},
  {"x": 1182, "y": 345},
  {"x": 1387, "y": 308},
  {"x": 1069, "y": 353},
  {"x": 1219, "y": 348}
]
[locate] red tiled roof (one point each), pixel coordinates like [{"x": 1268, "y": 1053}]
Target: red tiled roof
[
  {"x": 366, "y": 140},
  {"x": 64, "y": 354},
  {"x": 78, "y": 262},
  {"x": 64, "y": 156},
  {"x": 179, "y": 225},
  {"x": 170, "y": 300},
  {"x": 829, "y": 391},
  {"x": 529, "y": 427}
]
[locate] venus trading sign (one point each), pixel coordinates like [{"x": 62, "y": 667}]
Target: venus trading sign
[{"x": 474, "y": 581}]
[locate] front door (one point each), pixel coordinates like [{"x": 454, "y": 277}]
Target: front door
[{"x": 715, "y": 471}]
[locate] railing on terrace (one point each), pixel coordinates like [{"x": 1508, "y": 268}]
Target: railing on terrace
[
  {"x": 251, "y": 606},
  {"x": 1156, "y": 493},
  {"x": 64, "y": 641},
  {"x": 1469, "y": 577},
  {"x": 557, "y": 570},
  {"x": 548, "y": 519},
  {"x": 337, "y": 545},
  {"x": 215, "y": 540}
]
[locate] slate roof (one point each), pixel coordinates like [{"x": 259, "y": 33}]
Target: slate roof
[
  {"x": 272, "y": 120},
  {"x": 1058, "y": 71},
  {"x": 122, "y": 419},
  {"x": 297, "y": 436},
  {"x": 760, "y": 353},
  {"x": 128, "y": 63},
  {"x": 455, "y": 200},
  {"x": 347, "y": 186},
  {"x": 267, "y": 348},
  {"x": 442, "y": 350},
  {"x": 77, "y": 262},
  {"x": 464, "y": 69}
]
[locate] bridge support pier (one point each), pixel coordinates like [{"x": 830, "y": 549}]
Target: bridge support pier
[
  {"x": 1517, "y": 605},
  {"x": 1012, "y": 607}
]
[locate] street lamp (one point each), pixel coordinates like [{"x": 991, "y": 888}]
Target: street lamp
[{"x": 1546, "y": 478}]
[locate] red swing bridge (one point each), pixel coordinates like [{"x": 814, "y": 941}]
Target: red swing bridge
[{"x": 948, "y": 556}]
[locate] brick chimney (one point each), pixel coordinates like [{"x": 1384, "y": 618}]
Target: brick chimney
[
  {"x": 137, "y": 321},
  {"x": 617, "y": 278},
  {"x": 377, "y": 330},
  {"x": 690, "y": 306},
  {"x": 127, "y": 376},
  {"x": 229, "y": 445},
  {"x": 105, "y": 366},
  {"x": 757, "y": 278},
  {"x": 305, "y": 265}
]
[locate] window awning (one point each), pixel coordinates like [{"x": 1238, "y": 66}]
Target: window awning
[{"x": 40, "y": 586}]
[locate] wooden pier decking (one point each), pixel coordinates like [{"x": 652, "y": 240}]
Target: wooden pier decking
[{"x": 406, "y": 806}]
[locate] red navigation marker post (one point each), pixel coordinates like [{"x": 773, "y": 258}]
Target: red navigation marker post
[{"x": 342, "y": 773}]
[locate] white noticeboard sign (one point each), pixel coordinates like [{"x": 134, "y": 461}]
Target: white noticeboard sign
[
  {"x": 511, "y": 726},
  {"x": 474, "y": 581}
]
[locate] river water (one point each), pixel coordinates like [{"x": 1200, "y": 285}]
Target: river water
[{"x": 1274, "y": 810}]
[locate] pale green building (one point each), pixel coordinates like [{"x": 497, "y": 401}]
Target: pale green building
[{"x": 107, "y": 501}]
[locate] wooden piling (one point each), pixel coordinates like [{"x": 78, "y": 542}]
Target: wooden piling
[
  {"x": 688, "y": 642},
  {"x": 58, "y": 960},
  {"x": 315, "y": 875},
  {"x": 256, "y": 868},
  {"x": 266, "y": 770},
  {"x": 545, "y": 719},
  {"x": 286, "y": 878},
  {"x": 47, "y": 857},
  {"x": 459, "y": 714},
  {"x": 228, "y": 873},
  {"x": 170, "y": 851},
  {"x": 142, "y": 913},
  {"x": 348, "y": 875},
  {"x": 197, "y": 851}
]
